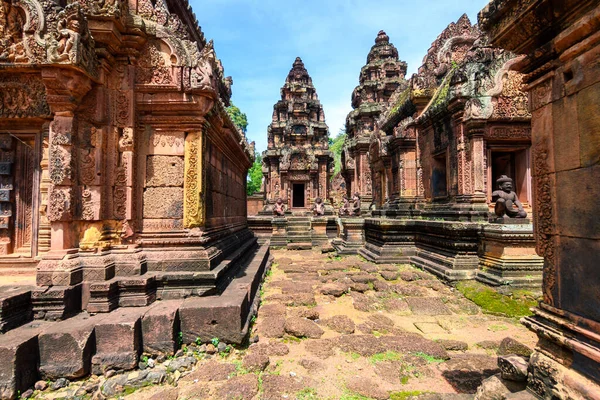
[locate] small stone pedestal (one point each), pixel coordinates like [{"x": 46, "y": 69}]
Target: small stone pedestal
[
  {"x": 279, "y": 237},
  {"x": 319, "y": 231},
  {"x": 507, "y": 254},
  {"x": 352, "y": 236}
]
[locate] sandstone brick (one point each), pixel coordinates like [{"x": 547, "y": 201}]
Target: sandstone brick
[
  {"x": 118, "y": 341},
  {"x": 66, "y": 348},
  {"x": 161, "y": 327},
  {"x": 163, "y": 202},
  {"x": 19, "y": 355},
  {"x": 164, "y": 171}
]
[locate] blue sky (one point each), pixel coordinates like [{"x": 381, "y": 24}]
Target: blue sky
[{"x": 258, "y": 40}]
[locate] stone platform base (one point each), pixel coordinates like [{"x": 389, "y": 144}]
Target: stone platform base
[
  {"x": 352, "y": 236},
  {"x": 495, "y": 254},
  {"x": 507, "y": 255},
  {"x": 85, "y": 344}
]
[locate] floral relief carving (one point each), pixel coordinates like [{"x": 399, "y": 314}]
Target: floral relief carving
[
  {"x": 153, "y": 68},
  {"x": 544, "y": 221},
  {"x": 59, "y": 165},
  {"x": 193, "y": 207},
  {"x": 87, "y": 205},
  {"x": 122, "y": 108},
  {"x": 22, "y": 96},
  {"x": 87, "y": 166},
  {"x": 59, "y": 204}
]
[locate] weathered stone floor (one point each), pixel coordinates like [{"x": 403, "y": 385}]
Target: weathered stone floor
[{"x": 339, "y": 328}]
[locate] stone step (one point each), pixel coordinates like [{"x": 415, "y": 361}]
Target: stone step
[
  {"x": 85, "y": 344},
  {"x": 6, "y": 270},
  {"x": 15, "y": 306},
  {"x": 300, "y": 246},
  {"x": 299, "y": 233},
  {"x": 20, "y": 358}
]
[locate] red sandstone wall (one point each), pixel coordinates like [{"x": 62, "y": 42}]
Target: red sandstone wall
[
  {"x": 255, "y": 204},
  {"x": 225, "y": 188}
]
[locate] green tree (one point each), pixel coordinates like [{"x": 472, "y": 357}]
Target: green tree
[
  {"x": 255, "y": 176},
  {"x": 336, "y": 145},
  {"x": 238, "y": 117}
]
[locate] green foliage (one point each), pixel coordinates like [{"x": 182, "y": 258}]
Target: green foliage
[
  {"x": 429, "y": 359},
  {"x": 307, "y": 394},
  {"x": 405, "y": 394},
  {"x": 336, "y": 146},
  {"x": 198, "y": 341},
  {"x": 215, "y": 341},
  {"x": 387, "y": 356},
  {"x": 238, "y": 117},
  {"x": 255, "y": 176},
  {"x": 353, "y": 396},
  {"x": 179, "y": 339},
  {"x": 516, "y": 306}
]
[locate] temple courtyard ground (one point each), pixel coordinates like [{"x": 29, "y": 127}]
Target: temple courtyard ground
[{"x": 333, "y": 327}]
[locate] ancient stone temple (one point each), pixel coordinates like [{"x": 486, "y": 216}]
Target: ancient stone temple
[
  {"x": 444, "y": 139},
  {"x": 297, "y": 163},
  {"x": 382, "y": 75},
  {"x": 560, "y": 41},
  {"x": 122, "y": 176}
]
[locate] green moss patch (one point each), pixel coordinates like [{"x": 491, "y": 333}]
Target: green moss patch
[{"x": 515, "y": 306}]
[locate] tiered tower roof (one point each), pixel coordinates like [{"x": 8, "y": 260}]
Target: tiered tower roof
[
  {"x": 378, "y": 80},
  {"x": 298, "y": 118}
]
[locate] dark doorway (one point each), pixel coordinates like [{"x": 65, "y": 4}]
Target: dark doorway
[{"x": 298, "y": 195}]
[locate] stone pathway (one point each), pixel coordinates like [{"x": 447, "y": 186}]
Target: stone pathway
[{"x": 343, "y": 328}]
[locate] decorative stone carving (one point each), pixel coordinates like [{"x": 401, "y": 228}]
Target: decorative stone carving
[
  {"x": 345, "y": 208},
  {"x": 12, "y": 22},
  {"x": 164, "y": 202},
  {"x": 318, "y": 207},
  {"x": 59, "y": 204},
  {"x": 279, "y": 208},
  {"x": 162, "y": 171},
  {"x": 506, "y": 199},
  {"x": 203, "y": 76},
  {"x": 193, "y": 181},
  {"x": 356, "y": 204},
  {"x": 22, "y": 96},
  {"x": 72, "y": 42},
  {"x": 154, "y": 69}
]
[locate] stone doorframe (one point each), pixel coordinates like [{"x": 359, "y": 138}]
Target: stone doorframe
[{"x": 12, "y": 145}]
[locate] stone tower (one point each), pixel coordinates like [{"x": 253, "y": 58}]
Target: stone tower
[
  {"x": 297, "y": 162},
  {"x": 382, "y": 75}
]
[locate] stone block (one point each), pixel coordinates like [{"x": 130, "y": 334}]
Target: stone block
[
  {"x": 588, "y": 101},
  {"x": 164, "y": 171},
  {"x": 66, "y": 348},
  {"x": 136, "y": 291},
  {"x": 206, "y": 318},
  {"x": 19, "y": 355},
  {"x": 118, "y": 341},
  {"x": 161, "y": 327},
  {"x": 163, "y": 202},
  {"x": 103, "y": 296},
  {"x": 167, "y": 143},
  {"x": 574, "y": 220},
  {"x": 15, "y": 307},
  {"x": 56, "y": 302}
]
